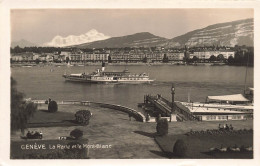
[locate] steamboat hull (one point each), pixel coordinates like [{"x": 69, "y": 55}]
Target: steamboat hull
[
  {"x": 101, "y": 76},
  {"x": 89, "y": 80}
]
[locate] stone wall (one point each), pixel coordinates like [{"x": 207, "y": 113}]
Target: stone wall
[{"x": 137, "y": 115}]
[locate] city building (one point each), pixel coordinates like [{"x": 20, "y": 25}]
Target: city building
[{"x": 205, "y": 55}]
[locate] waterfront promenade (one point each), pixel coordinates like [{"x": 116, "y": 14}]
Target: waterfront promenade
[
  {"x": 129, "y": 139},
  {"x": 133, "y": 113}
]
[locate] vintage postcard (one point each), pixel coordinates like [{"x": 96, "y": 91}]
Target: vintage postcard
[{"x": 142, "y": 82}]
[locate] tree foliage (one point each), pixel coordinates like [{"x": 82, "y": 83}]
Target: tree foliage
[
  {"x": 162, "y": 127},
  {"x": 165, "y": 59},
  {"x": 21, "y": 111},
  {"x": 67, "y": 59},
  {"x": 231, "y": 60},
  {"x": 212, "y": 58},
  {"x": 220, "y": 57},
  {"x": 109, "y": 59},
  {"x": 243, "y": 57},
  {"x": 35, "y": 49},
  {"x": 76, "y": 134},
  {"x": 145, "y": 59},
  {"x": 180, "y": 148},
  {"x": 53, "y": 106},
  {"x": 195, "y": 59},
  {"x": 83, "y": 117},
  {"x": 37, "y": 61}
]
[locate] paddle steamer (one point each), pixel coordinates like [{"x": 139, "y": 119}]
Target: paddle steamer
[{"x": 101, "y": 76}]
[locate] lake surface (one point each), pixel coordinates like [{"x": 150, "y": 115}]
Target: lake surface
[{"x": 200, "y": 81}]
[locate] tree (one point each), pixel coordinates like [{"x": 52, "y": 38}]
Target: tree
[
  {"x": 83, "y": 117},
  {"x": 220, "y": 57},
  {"x": 67, "y": 59},
  {"x": 212, "y": 58},
  {"x": 180, "y": 148},
  {"x": 21, "y": 111},
  {"x": 76, "y": 134},
  {"x": 109, "y": 59},
  {"x": 37, "y": 61},
  {"x": 18, "y": 49},
  {"x": 145, "y": 60},
  {"x": 231, "y": 60},
  {"x": 249, "y": 58},
  {"x": 53, "y": 106},
  {"x": 165, "y": 59},
  {"x": 162, "y": 127},
  {"x": 195, "y": 59}
]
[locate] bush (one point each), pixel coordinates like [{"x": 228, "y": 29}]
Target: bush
[
  {"x": 21, "y": 111},
  {"x": 53, "y": 106},
  {"x": 76, "y": 134},
  {"x": 162, "y": 127},
  {"x": 180, "y": 148},
  {"x": 83, "y": 116}
]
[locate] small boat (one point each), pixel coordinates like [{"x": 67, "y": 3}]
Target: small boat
[
  {"x": 27, "y": 66},
  {"x": 234, "y": 149},
  {"x": 102, "y": 76},
  {"x": 247, "y": 149}
]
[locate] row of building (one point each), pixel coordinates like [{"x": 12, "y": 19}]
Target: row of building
[
  {"x": 120, "y": 56},
  {"x": 207, "y": 54}
]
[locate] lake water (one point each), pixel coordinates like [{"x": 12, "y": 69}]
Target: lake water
[{"x": 200, "y": 81}]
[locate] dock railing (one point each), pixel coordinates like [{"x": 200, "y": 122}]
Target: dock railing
[{"x": 183, "y": 113}]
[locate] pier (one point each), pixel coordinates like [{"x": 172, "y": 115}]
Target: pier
[{"x": 169, "y": 109}]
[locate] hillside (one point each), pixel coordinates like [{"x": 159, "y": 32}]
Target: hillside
[
  {"x": 239, "y": 32},
  {"x": 144, "y": 39}
]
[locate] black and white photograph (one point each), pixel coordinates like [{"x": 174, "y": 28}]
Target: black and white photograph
[{"x": 132, "y": 83}]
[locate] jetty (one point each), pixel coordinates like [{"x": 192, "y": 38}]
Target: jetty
[{"x": 175, "y": 110}]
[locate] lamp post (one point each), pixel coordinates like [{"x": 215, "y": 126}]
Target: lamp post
[{"x": 173, "y": 92}]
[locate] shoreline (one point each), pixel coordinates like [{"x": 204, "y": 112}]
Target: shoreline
[{"x": 119, "y": 64}]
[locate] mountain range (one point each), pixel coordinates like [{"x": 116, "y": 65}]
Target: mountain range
[
  {"x": 90, "y": 36},
  {"x": 233, "y": 33},
  {"x": 240, "y": 32},
  {"x": 143, "y": 39},
  {"x": 22, "y": 43}
]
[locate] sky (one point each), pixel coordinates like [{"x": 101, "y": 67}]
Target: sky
[{"x": 42, "y": 25}]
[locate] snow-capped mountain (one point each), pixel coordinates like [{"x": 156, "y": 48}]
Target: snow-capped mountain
[
  {"x": 90, "y": 36},
  {"x": 233, "y": 33}
]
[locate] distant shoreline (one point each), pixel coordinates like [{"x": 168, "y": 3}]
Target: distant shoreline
[{"x": 121, "y": 64}]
